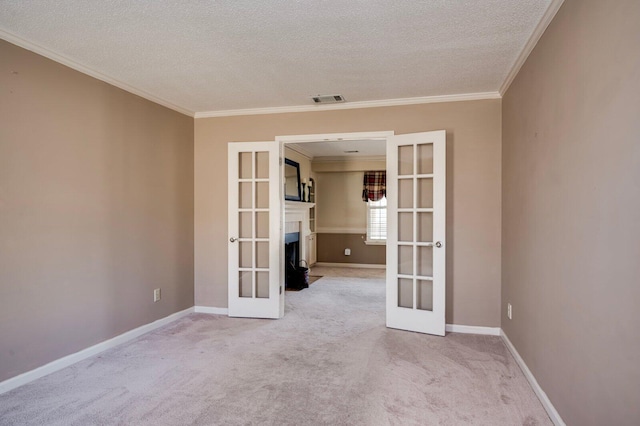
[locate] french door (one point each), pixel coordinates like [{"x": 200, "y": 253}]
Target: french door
[
  {"x": 255, "y": 221},
  {"x": 416, "y": 198}
]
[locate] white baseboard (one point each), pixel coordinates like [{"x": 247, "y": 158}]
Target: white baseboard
[
  {"x": 351, "y": 265},
  {"x": 211, "y": 310},
  {"x": 68, "y": 360},
  {"x": 472, "y": 329},
  {"x": 542, "y": 396}
]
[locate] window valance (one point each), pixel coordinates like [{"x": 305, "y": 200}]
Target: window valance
[{"x": 374, "y": 185}]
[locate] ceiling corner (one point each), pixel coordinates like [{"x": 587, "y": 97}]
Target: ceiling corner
[{"x": 548, "y": 16}]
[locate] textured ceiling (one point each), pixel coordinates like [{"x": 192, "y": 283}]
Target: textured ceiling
[
  {"x": 364, "y": 148},
  {"x": 225, "y": 55}
]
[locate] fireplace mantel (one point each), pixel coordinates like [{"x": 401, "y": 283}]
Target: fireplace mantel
[
  {"x": 294, "y": 206},
  {"x": 296, "y": 218}
]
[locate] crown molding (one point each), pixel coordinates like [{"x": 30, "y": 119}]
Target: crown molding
[
  {"x": 300, "y": 150},
  {"x": 548, "y": 16},
  {"x": 351, "y": 105},
  {"x": 43, "y": 51}
]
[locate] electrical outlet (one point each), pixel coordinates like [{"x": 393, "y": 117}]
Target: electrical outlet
[
  {"x": 347, "y": 252},
  {"x": 509, "y": 311},
  {"x": 156, "y": 294}
]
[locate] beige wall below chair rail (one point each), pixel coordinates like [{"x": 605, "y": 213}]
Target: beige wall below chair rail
[{"x": 331, "y": 247}]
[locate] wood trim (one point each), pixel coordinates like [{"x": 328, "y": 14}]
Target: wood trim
[
  {"x": 352, "y": 105},
  {"x": 472, "y": 329},
  {"x": 542, "y": 396},
  {"x": 329, "y": 230},
  {"x": 210, "y": 310}
]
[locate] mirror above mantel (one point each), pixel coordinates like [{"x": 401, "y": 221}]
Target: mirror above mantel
[{"x": 292, "y": 187}]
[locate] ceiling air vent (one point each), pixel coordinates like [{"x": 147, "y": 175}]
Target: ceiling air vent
[{"x": 327, "y": 99}]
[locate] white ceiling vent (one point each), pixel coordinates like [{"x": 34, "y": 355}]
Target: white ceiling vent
[{"x": 327, "y": 99}]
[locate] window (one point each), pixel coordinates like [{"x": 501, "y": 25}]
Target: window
[{"x": 377, "y": 221}]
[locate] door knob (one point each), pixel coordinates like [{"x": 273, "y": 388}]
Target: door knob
[
  {"x": 438, "y": 244},
  {"x": 233, "y": 240}
]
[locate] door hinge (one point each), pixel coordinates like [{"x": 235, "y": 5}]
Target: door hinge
[
  {"x": 280, "y": 160},
  {"x": 280, "y": 289}
]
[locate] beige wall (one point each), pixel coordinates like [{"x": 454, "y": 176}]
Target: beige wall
[
  {"x": 331, "y": 249},
  {"x": 339, "y": 201},
  {"x": 473, "y": 190},
  {"x": 571, "y": 202},
  {"x": 96, "y": 210},
  {"x": 349, "y": 165},
  {"x": 342, "y": 215}
]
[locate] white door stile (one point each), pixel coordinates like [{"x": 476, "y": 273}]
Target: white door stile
[
  {"x": 253, "y": 306},
  {"x": 415, "y": 317}
]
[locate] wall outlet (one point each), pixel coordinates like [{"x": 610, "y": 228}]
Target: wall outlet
[
  {"x": 347, "y": 252},
  {"x": 509, "y": 311},
  {"x": 156, "y": 294}
]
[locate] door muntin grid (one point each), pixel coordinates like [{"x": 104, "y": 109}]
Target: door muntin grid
[
  {"x": 253, "y": 225},
  {"x": 415, "y": 226}
]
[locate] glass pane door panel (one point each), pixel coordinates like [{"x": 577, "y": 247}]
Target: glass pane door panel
[
  {"x": 405, "y": 193},
  {"x": 425, "y": 261},
  {"x": 425, "y": 159},
  {"x": 262, "y": 165},
  {"x": 262, "y": 254},
  {"x": 245, "y": 225},
  {"x": 416, "y": 169},
  {"x": 246, "y": 284},
  {"x": 425, "y": 227},
  {"x": 253, "y": 190},
  {"x": 405, "y": 160},
  {"x": 405, "y": 227},
  {"x": 405, "y": 260},
  {"x": 244, "y": 195},
  {"x": 424, "y": 295},
  {"x": 245, "y": 257},
  {"x": 425, "y": 193},
  {"x": 405, "y": 293},
  {"x": 262, "y": 195},
  {"x": 262, "y": 224},
  {"x": 244, "y": 163},
  {"x": 262, "y": 284}
]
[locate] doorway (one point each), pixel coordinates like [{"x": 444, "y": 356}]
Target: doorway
[
  {"x": 415, "y": 258},
  {"x": 346, "y": 236}
]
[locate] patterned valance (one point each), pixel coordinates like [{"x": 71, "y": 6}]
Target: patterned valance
[{"x": 374, "y": 185}]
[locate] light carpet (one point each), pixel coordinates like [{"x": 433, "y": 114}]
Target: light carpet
[{"x": 330, "y": 361}]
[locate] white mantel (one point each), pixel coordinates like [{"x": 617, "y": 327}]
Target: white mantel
[{"x": 296, "y": 219}]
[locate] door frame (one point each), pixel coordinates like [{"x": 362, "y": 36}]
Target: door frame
[{"x": 322, "y": 137}]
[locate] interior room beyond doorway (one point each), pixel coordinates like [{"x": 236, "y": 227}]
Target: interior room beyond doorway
[{"x": 331, "y": 171}]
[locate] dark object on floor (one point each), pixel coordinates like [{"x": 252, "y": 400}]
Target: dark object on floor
[
  {"x": 297, "y": 277},
  {"x": 312, "y": 279}
]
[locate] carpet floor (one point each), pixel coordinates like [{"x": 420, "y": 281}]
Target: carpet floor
[{"x": 330, "y": 361}]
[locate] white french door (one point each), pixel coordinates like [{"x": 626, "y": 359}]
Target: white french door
[
  {"x": 416, "y": 201},
  {"x": 255, "y": 230}
]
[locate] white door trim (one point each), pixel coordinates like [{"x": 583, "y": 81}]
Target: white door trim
[{"x": 334, "y": 137}]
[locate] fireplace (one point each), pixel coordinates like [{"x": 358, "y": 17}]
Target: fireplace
[
  {"x": 292, "y": 248},
  {"x": 296, "y": 276},
  {"x": 291, "y": 256},
  {"x": 295, "y": 240}
]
